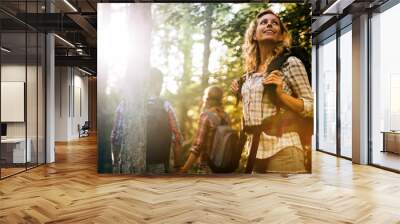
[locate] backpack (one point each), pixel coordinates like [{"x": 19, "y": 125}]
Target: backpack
[
  {"x": 159, "y": 134},
  {"x": 297, "y": 52},
  {"x": 224, "y": 153},
  {"x": 277, "y": 63},
  {"x": 305, "y": 125}
]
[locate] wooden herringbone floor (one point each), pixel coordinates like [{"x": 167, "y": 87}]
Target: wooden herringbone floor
[{"x": 70, "y": 191}]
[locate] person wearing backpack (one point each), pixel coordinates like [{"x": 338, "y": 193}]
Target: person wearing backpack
[
  {"x": 212, "y": 115},
  {"x": 162, "y": 130},
  {"x": 273, "y": 99}
]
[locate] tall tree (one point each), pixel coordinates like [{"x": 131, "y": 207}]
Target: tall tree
[
  {"x": 134, "y": 155},
  {"x": 207, "y": 39},
  {"x": 182, "y": 19},
  {"x": 186, "y": 49}
]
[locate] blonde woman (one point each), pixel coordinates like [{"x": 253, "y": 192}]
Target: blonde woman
[
  {"x": 212, "y": 114},
  {"x": 265, "y": 39}
]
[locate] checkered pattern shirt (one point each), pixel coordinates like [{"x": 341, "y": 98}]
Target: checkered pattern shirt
[
  {"x": 205, "y": 131},
  {"x": 256, "y": 108}
]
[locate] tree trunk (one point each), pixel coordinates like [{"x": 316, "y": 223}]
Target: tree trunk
[
  {"x": 207, "y": 39},
  {"x": 133, "y": 158},
  {"x": 186, "y": 48}
]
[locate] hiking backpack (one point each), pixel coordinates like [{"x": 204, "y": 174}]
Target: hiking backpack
[
  {"x": 277, "y": 63},
  {"x": 224, "y": 154},
  {"x": 306, "y": 124},
  {"x": 159, "y": 134}
]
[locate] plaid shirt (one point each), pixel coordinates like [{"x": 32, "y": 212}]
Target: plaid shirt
[
  {"x": 117, "y": 131},
  {"x": 205, "y": 132},
  {"x": 256, "y": 108}
]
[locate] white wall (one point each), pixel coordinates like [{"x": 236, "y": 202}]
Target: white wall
[
  {"x": 13, "y": 73},
  {"x": 61, "y": 103},
  {"x": 80, "y": 109},
  {"x": 71, "y": 94}
]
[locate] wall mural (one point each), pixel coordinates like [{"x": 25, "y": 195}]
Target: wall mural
[{"x": 204, "y": 88}]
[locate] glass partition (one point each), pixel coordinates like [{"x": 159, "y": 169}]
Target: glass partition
[
  {"x": 327, "y": 95},
  {"x": 14, "y": 151},
  {"x": 346, "y": 92},
  {"x": 22, "y": 88}
]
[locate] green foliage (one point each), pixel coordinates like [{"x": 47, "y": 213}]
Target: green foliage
[
  {"x": 297, "y": 18},
  {"x": 182, "y": 27},
  {"x": 231, "y": 32}
]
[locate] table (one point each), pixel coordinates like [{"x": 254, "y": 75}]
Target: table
[
  {"x": 391, "y": 141},
  {"x": 13, "y": 150}
]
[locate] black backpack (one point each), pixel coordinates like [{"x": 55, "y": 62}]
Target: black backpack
[
  {"x": 299, "y": 53},
  {"x": 277, "y": 63},
  {"x": 224, "y": 154},
  {"x": 158, "y": 134}
]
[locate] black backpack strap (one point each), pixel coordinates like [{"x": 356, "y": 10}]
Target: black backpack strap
[
  {"x": 253, "y": 152},
  {"x": 277, "y": 63},
  {"x": 238, "y": 94},
  {"x": 297, "y": 52}
]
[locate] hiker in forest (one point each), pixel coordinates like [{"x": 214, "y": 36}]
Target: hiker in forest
[
  {"x": 162, "y": 131},
  {"x": 212, "y": 115},
  {"x": 266, "y": 95}
]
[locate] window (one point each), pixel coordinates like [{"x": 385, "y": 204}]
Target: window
[
  {"x": 385, "y": 87},
  {"x": 327, "y": 95},
  {"x": 346, "y": 75}
]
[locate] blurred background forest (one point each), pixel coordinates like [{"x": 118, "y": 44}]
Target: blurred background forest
[{"x": 197, "y": 45}]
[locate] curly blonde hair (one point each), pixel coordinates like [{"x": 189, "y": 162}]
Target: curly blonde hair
[{"x": 251, "y": 51}]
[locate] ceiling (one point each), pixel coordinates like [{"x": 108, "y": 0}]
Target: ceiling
[
  {"x": 329, "y": 15},
  {"x": 74, "y": 21}
]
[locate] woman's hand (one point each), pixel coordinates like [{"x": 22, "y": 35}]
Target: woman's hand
[
  {"x": 275, "y": 77},
  {"x": 235, "y": 86}
]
